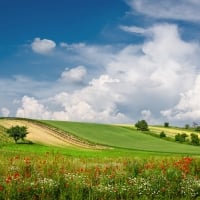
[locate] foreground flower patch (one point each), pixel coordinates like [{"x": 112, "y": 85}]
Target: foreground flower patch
[{"x": 59, "y": 177}]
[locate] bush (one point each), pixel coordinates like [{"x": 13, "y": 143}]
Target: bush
[
  {"x": 180, "y": 137},
  {"x": 194, "y": 139},
  {"x": 162, "y": 134},
  {"x": 142, "y": 125}
]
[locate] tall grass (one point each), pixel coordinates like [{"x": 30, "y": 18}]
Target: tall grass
[
  {"x": 53, "y": 173},
  {"x": 55, "y": 176}
]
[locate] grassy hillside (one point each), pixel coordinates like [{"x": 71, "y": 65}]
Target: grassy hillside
[{"x": 123, "y": 137}]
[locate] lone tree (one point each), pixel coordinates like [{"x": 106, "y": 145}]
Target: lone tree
[
  {"x": 166, "y": 124},
  {"x": 17, "y": 132},
  {"x": 142, "y": 125},
  {"x": 187, "y": 126}
]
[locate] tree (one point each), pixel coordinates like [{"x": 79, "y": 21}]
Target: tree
[
  {"x": 17, "y": 132},
  {"x": 166, "y": 124},
  {"x": 194, "y": 139},
  {"x": 142, "y": 125}
]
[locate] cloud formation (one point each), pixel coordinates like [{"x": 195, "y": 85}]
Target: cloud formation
[
  {"x": 76, "y": 74},
  {"x": 96, "y": 102},
  {"x": 168, "y": 9},
  {"x": 188, "y": 107},
  {"x": 156, "y": 80},
  {"x": 43, "y": 46},
  {"x": 32, "y": 108},
  {"x": 133, "y": 29}
]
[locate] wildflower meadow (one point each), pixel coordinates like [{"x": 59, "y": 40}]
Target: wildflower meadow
[{"x": 56, "y": 176}]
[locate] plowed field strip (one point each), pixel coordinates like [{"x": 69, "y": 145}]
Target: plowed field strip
[{"x": 40, "y": 133}]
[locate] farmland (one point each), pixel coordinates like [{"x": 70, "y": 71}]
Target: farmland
[
  {"x": 171, "y": 131},
  {"x": 123, "y": 137},
  {"x": 118, "y": 162}
]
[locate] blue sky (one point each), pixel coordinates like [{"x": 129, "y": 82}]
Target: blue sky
[{"x": 101, "y": 61}]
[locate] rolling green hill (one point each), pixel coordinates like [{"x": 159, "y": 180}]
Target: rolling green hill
[
  {"x": 122, "y": 137},
  {"x": 118, "y": 137}
]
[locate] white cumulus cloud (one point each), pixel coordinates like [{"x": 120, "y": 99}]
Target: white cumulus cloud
[
  {"x": 43, "y": 46},
  {"x": 31, "y": 108},
  {"x": 153, "y": 75},
  {"x": 168, "y": 9},
  {"x": 188, "y": 107},
  {"x": 95, "y": 102},
  {"x": 132, "y": 81},
  {"x": 76, "y": 74}
]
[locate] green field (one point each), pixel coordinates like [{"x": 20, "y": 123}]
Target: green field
[
  {"x": 135, "y": 165},
  {"x": 122, "y": 137},
  {"x": 120, "y": 140}
]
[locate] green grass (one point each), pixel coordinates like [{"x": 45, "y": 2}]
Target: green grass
[
  {"x": 4, "y": 139},
  {"x": 122, "y": 137},
  {"x": 139, "y": 166},
  {"x": 37, "y": 149},
  {"x": 55, "y": 176},
  {"x": 125, "y": 141}
]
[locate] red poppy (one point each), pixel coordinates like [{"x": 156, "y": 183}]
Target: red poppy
[
  {"x": 16, "y": 175},
  {"x": 8, "y": 179},
  {"x": 1, "y": 188}
]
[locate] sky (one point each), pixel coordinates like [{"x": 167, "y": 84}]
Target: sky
[{"x": 102, "y": 61}]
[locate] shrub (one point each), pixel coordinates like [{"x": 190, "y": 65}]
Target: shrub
[
  {"x": 181, "y": 137},
  {"x": 142, "y": 125},
  {"x": 162, "y": 134},
  {"x": 194, "y": 139}
]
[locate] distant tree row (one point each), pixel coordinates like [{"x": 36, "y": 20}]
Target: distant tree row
[
  {"x": 196, "y": 127},
  {"x": 194, "y": 139},
  {"x": 142, "y": 125},
  {"x": 187, "y": 126}
]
